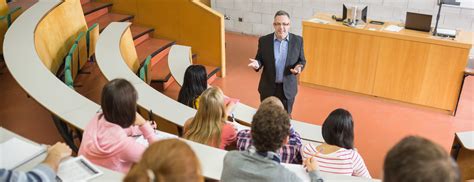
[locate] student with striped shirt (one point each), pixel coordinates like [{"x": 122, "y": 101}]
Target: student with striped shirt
[{"x": 337, "y": 155}]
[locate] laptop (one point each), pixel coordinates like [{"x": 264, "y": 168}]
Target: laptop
[{"x": 416, "y": 21}]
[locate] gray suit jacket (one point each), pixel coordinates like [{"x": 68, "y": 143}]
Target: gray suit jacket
[{"x": 266, "y": 59}]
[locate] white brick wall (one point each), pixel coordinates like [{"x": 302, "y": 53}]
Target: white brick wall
[{"x": 258, "y": 14}]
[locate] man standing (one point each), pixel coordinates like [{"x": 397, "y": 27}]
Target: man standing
[{"x": 282, "y": 58}]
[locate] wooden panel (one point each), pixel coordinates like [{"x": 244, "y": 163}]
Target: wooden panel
[
  {"x": 188, "y": 22},
  {"x": 56, "y": 33},
  {"x": 339, "y": 59},
  {"x": 82, "y": 51},
  {"x": 3, "y": 24},
  {"x": 466, "y": 163},
  {"x": 127, "y": 49},
  {"x": 94, "y": 36},
  {"x": 420, "y": 73}
]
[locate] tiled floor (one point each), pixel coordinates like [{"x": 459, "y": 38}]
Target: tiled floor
[{"x": 379, "y": 123}]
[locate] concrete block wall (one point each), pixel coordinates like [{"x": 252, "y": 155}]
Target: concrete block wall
[{"x": 257, "y": 15}]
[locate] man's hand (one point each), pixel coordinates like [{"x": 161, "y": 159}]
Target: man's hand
[
  {"x": 254, "y": 64},
  {"x": 297, "y": 69}
]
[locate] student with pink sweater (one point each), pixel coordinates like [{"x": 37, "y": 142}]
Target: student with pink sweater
[{"x": 106, "y": 140}]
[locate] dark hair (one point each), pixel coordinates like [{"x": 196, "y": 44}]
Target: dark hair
[
  {"x": 270, "y": 127},
  {"x": 281, "y": 13},
  {"x": 167, "y": 160},
  {"x": 418, "y": 159},
  {"x": 338, "y": 129},
  {"x": 119, "y": 102},
  {"x": 195, "y": 82}
]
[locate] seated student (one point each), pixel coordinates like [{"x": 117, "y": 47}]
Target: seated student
[
  {"x": 270, "y": 130},
  {"x": 289, "y": 152},
  {"x": 418, "y": 159},
  {"x": 209, "y": 125},
  {"x": 46, "y": 171},
  {"x": 106, "y": 140},
  {"x": 337, "y": 155},
  {"x": 194, "y": 83},
  {"x": 167, "y": 160}
]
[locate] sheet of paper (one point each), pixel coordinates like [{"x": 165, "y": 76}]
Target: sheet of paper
[
  {"x": 15, "y": 152},
  {"x": 393, "y": 28},
  {"x": 158, "y": 134},
  {"x": 317, "y": 20},
  {"x": 77, "y": 169}
]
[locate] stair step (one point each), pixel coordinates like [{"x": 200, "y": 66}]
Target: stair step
[
  {"x": 106, "y": 19},
  {"x": 90, "y": 7},
  {"x": 140, "y": 33},
  {"x": 85, "y": 1},
  {"x": 212, "y": 73},
  {"x": 93, "y": 10},
  {"x": 24, "y": 4},
  {"x": 152, "y": 46}
]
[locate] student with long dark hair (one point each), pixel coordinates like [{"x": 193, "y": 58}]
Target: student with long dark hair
[
  {"x": 195, "y": 82},
  {"x": 337, "y": 155},
  {"x": 106, "y": 140}
]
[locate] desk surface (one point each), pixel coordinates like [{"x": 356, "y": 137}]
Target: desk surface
[
  {"x": 467, "y": 139},
  {"x": 463, "y": 39},
  {"x": 108, "y": 175},
  {"x": 29, "y": 71},
  {"x": 179, "y": 61}
]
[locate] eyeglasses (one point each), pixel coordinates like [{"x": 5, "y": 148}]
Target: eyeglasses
[{"x": 280, "y": 24}]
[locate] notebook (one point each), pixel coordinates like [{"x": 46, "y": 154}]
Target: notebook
[
  {"x": 15, "y": 152},
  {"x": 77, "y": 169}
]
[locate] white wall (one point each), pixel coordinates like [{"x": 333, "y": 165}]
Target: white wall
[{"x": 258, "y": 14}]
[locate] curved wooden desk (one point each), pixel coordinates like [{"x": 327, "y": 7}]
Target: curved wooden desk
[
  {"x": 112, "y": 65},
  {"x": 463, "y": 152},
  {"x": 179, "y": 59},
  {"x": 32, "y": 75}
]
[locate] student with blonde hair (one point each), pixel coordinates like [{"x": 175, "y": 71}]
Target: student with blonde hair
[
  {"x": 209, "y": 125},
  {"x": 167, "y": 160}
]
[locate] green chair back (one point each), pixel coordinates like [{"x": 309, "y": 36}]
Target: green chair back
[
  {"x": 68, "y": 78},
  {"x": 144, "y": 69}
]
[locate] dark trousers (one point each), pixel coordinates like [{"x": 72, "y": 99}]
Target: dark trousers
[{"x": 280, "y": 94}]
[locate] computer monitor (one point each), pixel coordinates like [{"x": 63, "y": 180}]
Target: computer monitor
[
  {"x": 417, "y": 21},
  {"x": 354, "y": 14}
]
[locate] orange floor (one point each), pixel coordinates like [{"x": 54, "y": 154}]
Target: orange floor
[{"x": 379, "y": 123}]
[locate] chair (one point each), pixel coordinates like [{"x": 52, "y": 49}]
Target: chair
[
  {"x": 468, "y": 71},
  {"x": 73, "y": 53},
  {"x": 144, "y": 70},
  {"x": 92, "y": 34},
  {"x": 8, "y": 16}
]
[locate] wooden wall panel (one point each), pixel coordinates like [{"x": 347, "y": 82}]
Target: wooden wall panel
[
  {"x": 340, "y": 59},
  {"x": 129, "y": 54},
  {"x": 188, "y": 22},
  {"x": 56, "y": 33},
  {"x": 3, "y": 24}
]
